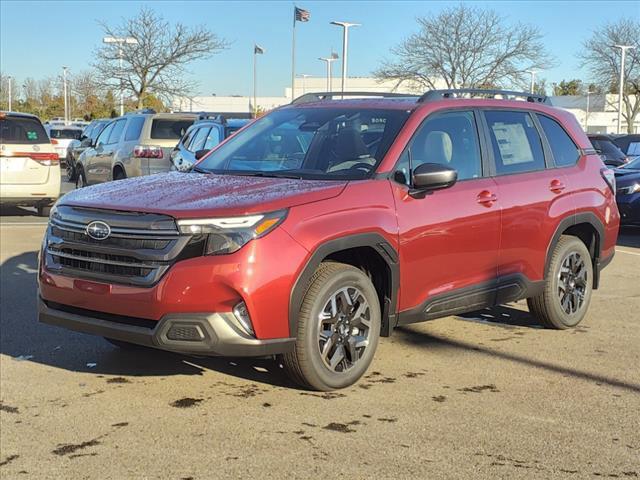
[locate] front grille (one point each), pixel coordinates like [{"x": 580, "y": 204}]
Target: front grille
[{"x": 139, "y": 250}]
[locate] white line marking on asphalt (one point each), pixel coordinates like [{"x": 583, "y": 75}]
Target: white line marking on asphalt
[
  {"x": 23, "y": 224},
  {"x": 630, "y": 253}
]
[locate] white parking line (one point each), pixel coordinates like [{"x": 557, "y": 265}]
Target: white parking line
[
  {"x": 22, "y": 224},
  {"x": 630, "y": 253}
]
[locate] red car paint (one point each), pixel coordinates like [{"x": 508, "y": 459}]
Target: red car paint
[{"x": 473, "y": 232}]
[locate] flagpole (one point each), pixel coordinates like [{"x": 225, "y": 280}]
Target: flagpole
[
  {"x": 255, "y": 82},
  {"x": 293, "y": 56}
]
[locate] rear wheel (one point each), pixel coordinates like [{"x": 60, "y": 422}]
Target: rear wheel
[
  {"x": 338, "y": 329},
  {"x": 568, "y": 286},
  {"x": 119, "y": 174}
]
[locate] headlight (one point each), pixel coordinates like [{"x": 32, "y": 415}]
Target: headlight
[
  {"x": 629, "y": 190},
  {"x": 228, "y": 235}
]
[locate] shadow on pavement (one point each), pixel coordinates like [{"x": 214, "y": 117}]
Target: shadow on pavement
[
  {"x": 502, "y": 316},
  {"x": 23, "y": 337},
  {"x": 413, "y": 337},
  {"x": 629, "y": 237},
  {"x": 11, "y": 211}
]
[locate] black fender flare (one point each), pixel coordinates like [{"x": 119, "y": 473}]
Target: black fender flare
[
  {"x": 575, "y": 219},
  {"x": 373, "y": 240}
]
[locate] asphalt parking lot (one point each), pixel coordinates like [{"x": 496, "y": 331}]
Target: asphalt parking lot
[{"x": 486, "y": 395}]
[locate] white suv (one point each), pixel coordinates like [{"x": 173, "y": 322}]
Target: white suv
[{"x": 29, "y": 165}]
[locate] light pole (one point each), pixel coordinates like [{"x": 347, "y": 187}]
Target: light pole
[
  {"x": 10, "y": 79},
  {"x": 120, "y": 41},
  {"x": 345, "y": 46},
  {"x": 64, "y": 92},
  {"x": 623, "y": 51},
  {"x": 329, "y": 60},
  {"x": 586, "y": 117},
  {"x": 533, "y": 79},
  {"x": 304, "y": 77}
]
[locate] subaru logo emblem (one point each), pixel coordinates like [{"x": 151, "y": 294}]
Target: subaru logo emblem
[{"x": 98, "y": 230}]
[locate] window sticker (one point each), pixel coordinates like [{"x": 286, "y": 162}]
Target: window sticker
[
  {"x": 31, "y": 135},
  {"x": 513, "y": 143}
]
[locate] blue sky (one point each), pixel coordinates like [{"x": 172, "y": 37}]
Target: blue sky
[{"x": 37, "y": 38}]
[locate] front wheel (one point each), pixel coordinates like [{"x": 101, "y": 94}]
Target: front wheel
[
  {"x": 338, "y": 329},
  {"x": 81, "y": 180},
  {"x": 568, "y": 286}
]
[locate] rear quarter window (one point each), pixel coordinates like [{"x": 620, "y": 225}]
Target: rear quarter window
[
  {"x": 134, "y": 129},
  {"x": 22, "y": 130},
  {"x": 169, "y": 128},
  {"x": 565, "y": 152}
]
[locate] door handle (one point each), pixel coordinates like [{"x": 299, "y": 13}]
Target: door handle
[
  {"x": 486, "y": 198},
  {"x": 556, "y": 186}
]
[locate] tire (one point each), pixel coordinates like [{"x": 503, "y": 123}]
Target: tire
[
  {"x": 124, "y": 345},
  {"x": 343, "y": 329},
  {"x": 81, "y": 180},
  {"x": 119, "y": 174},
  {"x": 71, "y": 170},
  {"x": 568, "y": 286},
  {"x": 43, "y": 210}
]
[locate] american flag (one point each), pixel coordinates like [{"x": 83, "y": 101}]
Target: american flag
[{"x": 301, "y": 15}]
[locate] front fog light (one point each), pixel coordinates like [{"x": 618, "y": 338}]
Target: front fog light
[{"x": 242, "y": 315}]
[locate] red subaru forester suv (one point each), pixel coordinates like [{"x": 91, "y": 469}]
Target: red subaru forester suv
[{"x": 328, "y": 222}]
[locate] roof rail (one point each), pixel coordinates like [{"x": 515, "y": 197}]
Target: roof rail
[
  {"x": 319, "y": 96},
  {"x": 433, "y": 95}
]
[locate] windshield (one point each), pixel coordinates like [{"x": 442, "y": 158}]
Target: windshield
[
  {"x": 68, "y": 133},
  {"x": 319, "y": 143},
  {"x": 608, "y": 148},
  {"x": 633, "y": 165}
]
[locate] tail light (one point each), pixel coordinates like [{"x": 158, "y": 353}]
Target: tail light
[
  {"x": 610, "y": 178},
  {"x": 54, "y": 141},
  {"x": 45, "y": 159},
  {"x": 147, "y": 151}
]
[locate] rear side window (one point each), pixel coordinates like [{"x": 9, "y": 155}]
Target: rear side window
[
  {"x": 134, "y": 129},
  {"x": 565, "y": 152},
  {"x": 198, "y": 139},
  {"x": 116, "y": 133},
  {"x": 22, "y": 130},
  {"x": 517, "y": 147},
  {"x": 169, "y": 129}
]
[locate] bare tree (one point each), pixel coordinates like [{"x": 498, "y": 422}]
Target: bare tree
[
  {"x": 157, "y": 63},
  {"x": 603, "y": 62},
  {"x": 466, "y": 47}
]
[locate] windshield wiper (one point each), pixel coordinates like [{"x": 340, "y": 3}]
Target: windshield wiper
[
  {"x": 275, "y": 174},
  {"x": 199, "y": 170}
]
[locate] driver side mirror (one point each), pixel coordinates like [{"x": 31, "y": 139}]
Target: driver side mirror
[
  {"x": 201, "y": 153},
  {"x": 432, "y": 176},
  {"x": 86, "y": 142}
]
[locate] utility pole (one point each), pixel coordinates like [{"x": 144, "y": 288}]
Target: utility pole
[
  {"x": 64, "y": 90},
  {"x": 345, "y": 48},
  {"x": 586, "y": 118},
  {"x": 120, "y": 41},
  {"x": 10, "y": 79},
  {"x": 623, "y": 51}
]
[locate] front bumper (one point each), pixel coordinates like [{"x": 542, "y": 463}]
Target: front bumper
[{"x": 215, "y": 334}]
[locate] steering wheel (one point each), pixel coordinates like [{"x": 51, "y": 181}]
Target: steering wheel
[{"x": 362, "y": 166}]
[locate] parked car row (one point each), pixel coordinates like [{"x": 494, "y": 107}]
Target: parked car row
[{"x": 144, "y": 143}]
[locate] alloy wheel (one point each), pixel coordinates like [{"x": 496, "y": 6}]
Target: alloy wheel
[
  {"x": 572, "y": 283},
  {"x": 343, "y": 329}
]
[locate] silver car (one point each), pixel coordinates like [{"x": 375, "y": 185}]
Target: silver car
[{"x": 133, "y": 145}]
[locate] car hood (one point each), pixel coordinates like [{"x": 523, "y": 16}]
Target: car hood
[
  {"x": 192, "y": 195},
  {"x": 624, "y": 179}
]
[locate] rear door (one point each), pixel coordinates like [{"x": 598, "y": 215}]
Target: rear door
[
  {"x": 26, "y": 153},
  {"x": 532, "y": 194},
  {"x": 104, "y": 160},
  {"x": 448, "y": 238}
]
